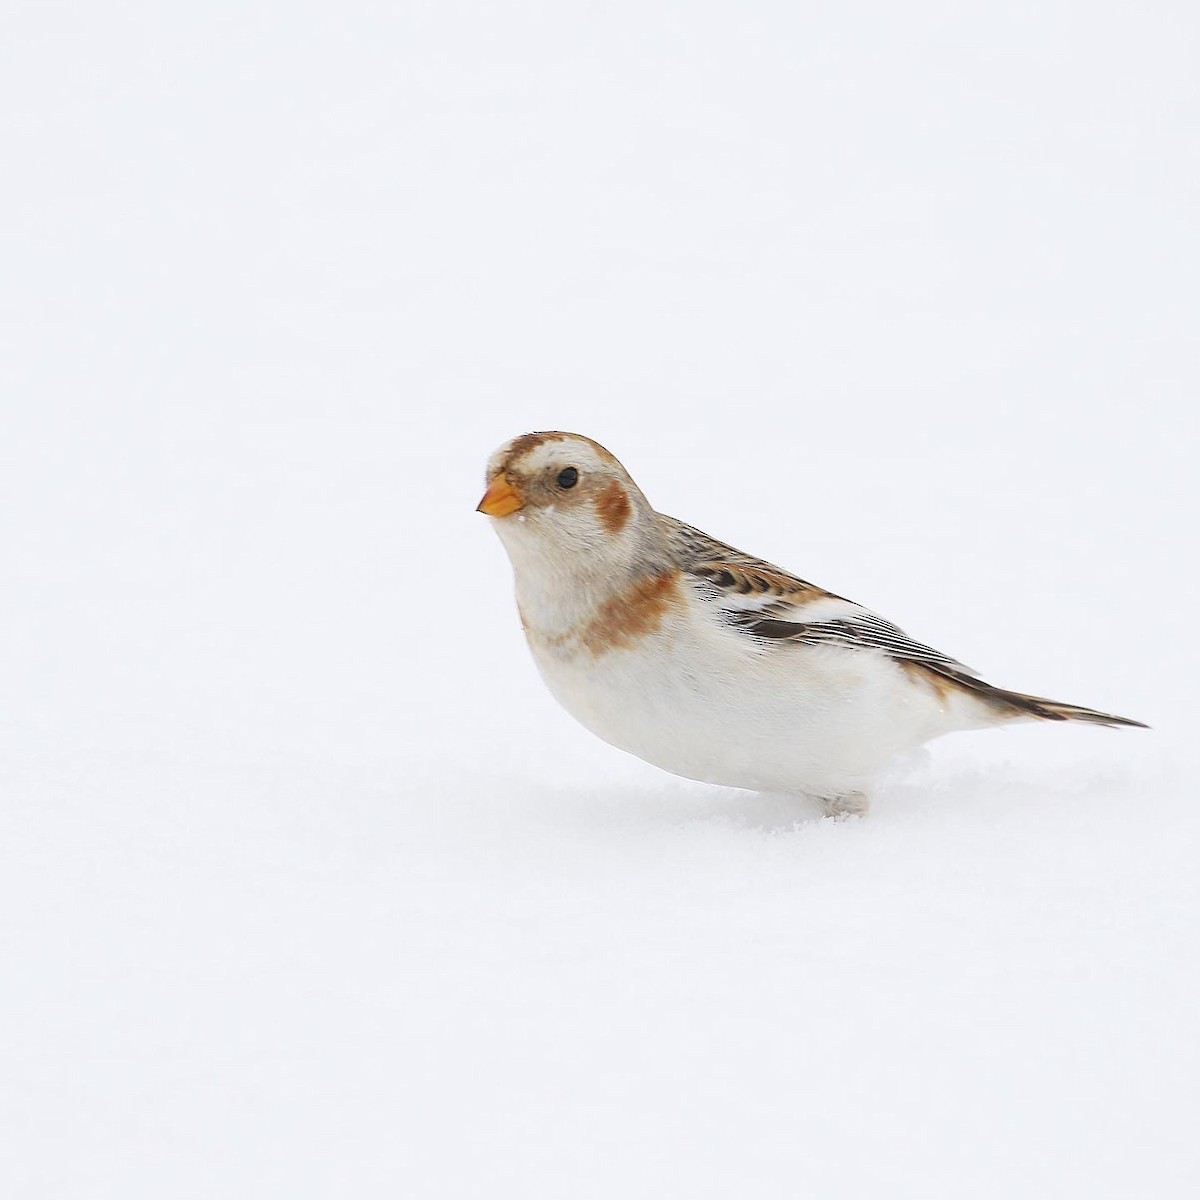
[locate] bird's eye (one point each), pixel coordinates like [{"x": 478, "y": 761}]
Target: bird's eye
[{"x": 568, "y": 477}]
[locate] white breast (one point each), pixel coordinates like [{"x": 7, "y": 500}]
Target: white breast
[{"x": 706, "y": 702}]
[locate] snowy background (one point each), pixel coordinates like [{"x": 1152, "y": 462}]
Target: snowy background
[{"x": 308, "y": 889}]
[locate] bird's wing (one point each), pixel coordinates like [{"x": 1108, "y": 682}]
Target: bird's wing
[{"x": 776, "y": 608}]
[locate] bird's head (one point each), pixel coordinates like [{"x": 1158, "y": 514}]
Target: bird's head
[{"x": 563, "y": 504}]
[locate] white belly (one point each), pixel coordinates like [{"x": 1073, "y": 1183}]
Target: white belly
[{"x": 706, "y": 703}]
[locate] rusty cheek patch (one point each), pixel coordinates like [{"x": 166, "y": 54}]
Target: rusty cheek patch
[
  {"x": 613, "y": 507},
  {"x": 638, "y": 610}
]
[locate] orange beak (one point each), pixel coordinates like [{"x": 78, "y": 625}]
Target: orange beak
[{"x": 500, "y": 499}]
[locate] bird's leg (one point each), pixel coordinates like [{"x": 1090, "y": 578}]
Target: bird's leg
[{"x": 849, "y": 804}]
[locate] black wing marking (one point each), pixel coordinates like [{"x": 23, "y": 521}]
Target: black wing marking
[
  {"x": 723, "y": 572},
  {"x": 859, "y": 630}
]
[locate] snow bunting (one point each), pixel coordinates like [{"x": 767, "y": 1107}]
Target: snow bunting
[{"x": 709, "y": 662}]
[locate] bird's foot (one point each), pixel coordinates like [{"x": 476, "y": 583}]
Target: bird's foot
[{"x": 850, "y": 804}]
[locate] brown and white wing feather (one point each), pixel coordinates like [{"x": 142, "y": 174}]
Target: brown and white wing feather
[
  {"x": 777, "y": 609},
  {"x": 733, "y": 579},
  {"x": 764, "y": 602}
]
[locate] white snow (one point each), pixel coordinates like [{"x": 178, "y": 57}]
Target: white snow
[{"x": 308, "y": 887}]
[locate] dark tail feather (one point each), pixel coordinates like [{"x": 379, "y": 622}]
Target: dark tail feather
[{"x": 1052, "y": 710}]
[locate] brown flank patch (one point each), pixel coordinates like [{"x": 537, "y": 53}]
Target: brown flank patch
[
  {"x": 942, "y": 686},
  {"x": 1011, "y": 704}
]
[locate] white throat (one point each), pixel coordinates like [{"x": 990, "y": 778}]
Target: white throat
[{"x": 557, "y": 592}]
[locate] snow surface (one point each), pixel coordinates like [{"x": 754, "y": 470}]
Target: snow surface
[{"x": 309, "y": 889}]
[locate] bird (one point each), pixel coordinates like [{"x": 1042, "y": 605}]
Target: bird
[{"x": 709, "y": 662}]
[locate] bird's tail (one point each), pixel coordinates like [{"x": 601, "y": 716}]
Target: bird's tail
[{"x": 1020, "y": 705}]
